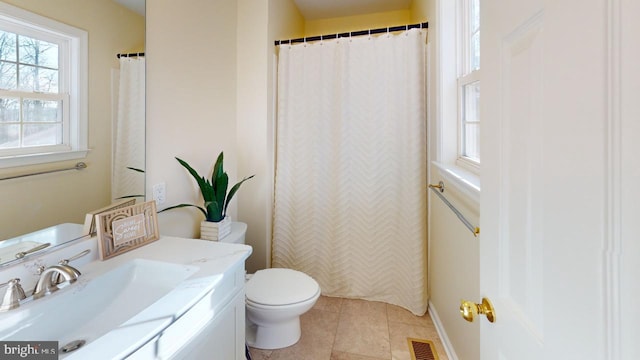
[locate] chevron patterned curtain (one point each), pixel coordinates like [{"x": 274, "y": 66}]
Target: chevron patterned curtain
[
  {"x": 350, "y": 188},
  {"x": 129, "y": 129}
]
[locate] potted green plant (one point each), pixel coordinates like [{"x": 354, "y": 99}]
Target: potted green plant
[{"x": 216, "y": 200}]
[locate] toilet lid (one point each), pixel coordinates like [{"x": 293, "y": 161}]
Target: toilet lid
[{"x": 280, "y": 287}]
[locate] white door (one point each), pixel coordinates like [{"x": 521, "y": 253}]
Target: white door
[
  {"x": 550, "y": 203},
  {"x": 626, "y": 199}
]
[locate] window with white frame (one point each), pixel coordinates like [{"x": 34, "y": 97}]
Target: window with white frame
[
  {"x": 469, "y": 84},
  {"x": 43, "y": 90}
]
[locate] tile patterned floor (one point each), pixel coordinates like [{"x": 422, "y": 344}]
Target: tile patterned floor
[{"x": 348, "y": 329}]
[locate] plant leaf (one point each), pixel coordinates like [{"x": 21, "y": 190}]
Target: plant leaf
[
  {"x": 218, "y": 169},
  {"x": 208, "y": 192},
  {"x": 129, "y": 196},
  {"x": 206, "y": 188},
  {"x": 199, "y": 179},
  {"x": 232, "y": 192},
  {"x": 215, "y": 212},
  {"x": 185, "y": 205},
  {"x": 222, "y": 183},
  {"x": 135, "y": 169}
]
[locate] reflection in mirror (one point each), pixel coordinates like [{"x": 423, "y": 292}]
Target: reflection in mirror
[
  {"x": 38, "y": 242},
  {"x": 128, "y": 131},
  {"x": 57, "y": 200}
]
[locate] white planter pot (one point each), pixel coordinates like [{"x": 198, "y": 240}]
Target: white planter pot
[{"x": 215, "y": 231}]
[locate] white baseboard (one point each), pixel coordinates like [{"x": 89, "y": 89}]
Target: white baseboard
[{"x": 448, "y": 347}]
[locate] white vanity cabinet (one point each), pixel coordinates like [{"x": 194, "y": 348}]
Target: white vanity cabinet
[
  {"x": 174, "y": 298},
  {"x": 218, "y": 334}
]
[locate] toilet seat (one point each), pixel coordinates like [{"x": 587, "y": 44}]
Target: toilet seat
[{"x": 280, "y": 287}]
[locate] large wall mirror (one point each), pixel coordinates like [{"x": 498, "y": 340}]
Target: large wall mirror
[{"x": 35, "y": 202}]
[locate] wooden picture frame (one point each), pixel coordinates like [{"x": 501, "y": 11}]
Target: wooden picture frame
[
  {"x": 127, "y": 228},
  {"x": 90, "y": 219}
]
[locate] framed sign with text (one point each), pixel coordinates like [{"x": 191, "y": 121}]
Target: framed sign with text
[
  {"x": 127, "y": 228},
  {"x": 90, "y": 227}
]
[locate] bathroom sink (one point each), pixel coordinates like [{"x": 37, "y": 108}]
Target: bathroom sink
[
  {"x": 162, "y": 300},
  {"x": 125, "y": 305}
]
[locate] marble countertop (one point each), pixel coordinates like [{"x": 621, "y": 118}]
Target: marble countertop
[
  {"x": 209, "y": 261},
  {"x": 212, "y": 259}
]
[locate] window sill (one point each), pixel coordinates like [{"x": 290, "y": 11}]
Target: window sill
[
  {"x": 22, "y": 160},
  {"x": 464, "y": 181}
]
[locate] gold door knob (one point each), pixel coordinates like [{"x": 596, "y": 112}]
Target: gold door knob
[{"x": 469, "y": 310}]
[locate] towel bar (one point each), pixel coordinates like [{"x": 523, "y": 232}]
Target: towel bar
[{"x": 438, "y": 189}]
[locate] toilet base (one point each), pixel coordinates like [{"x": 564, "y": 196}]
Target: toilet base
[{"x": 274, "y": 336}]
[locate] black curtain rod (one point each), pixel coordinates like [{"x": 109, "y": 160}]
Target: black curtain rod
[
  {"x": 424, "y": 25},
  {"x": 130, "y": 55}
]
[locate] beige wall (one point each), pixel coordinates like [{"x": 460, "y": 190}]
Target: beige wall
[
  {"x": 275, "y": 20},
  {"x": 36, "y": 202},
  {"x": 422, "y": 10},
  {"x": 454, "y": 268},
  {"x": 252, "y": 128},
  {"x": 191, "y": 101},
  {"x": 219, "y": 100},
  {"x": 357, "y": 22}
]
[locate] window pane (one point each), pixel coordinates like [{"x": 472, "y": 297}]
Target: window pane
[
  {"x": 471, "y": 102},
  {"x": 38, "y": 52},
  {"x": 7, "y": 46},
  {"x": 8, "y": 75},
  {"x": 38, "y": 79},
  {"x": 471, "y": 121},
  {"x": 42, "y": 134},
  {"x": 41, "y": 110},
  {"x": 474, "y": 52},
  {"x": 9, "y": 110},
  {"x": 9, "y": 136},
  {"x": 472, "y": 143},
  {"x": 474, "y": 15},
  {"x": 473, "y": 35}
]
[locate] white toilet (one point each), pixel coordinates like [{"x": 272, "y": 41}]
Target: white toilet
[{"x": 275, "y": 299}]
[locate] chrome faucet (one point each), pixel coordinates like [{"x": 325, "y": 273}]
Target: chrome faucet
[
  {"x": 57, "y": 279},
  {"x": 46, "y": 283},
  {"x": 12, "y": 296}
]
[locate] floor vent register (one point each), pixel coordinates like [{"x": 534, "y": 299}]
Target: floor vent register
[{"x": 422, "y": 349}]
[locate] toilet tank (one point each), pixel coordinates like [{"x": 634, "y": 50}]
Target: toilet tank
[{"x": 238, "y": 231}]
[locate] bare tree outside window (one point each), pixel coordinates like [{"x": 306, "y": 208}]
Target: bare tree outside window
[
  {"x": 28, "y": 72},
  {"x": 43, "y": 89}
]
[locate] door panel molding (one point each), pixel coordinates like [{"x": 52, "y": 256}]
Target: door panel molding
[{"x": 521, "y": 142}]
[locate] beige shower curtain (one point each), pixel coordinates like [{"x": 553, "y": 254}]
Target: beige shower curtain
[
  {"x": 129, "y": 129},
  {"x": 350, "y": 189}
]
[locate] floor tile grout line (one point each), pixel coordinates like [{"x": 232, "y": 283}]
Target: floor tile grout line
[
  {"x": 335, "y": 331},
  {"x": 386, "y": 311}
]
